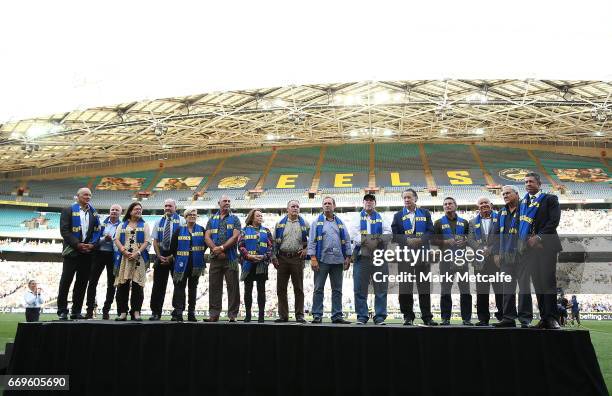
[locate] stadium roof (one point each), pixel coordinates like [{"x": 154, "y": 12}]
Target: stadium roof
[{"x": 425, "y": 110}]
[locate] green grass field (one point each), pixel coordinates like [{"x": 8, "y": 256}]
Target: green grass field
[{"x": 601, "y": 335}]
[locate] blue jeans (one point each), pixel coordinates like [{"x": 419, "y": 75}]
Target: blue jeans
[
  {"x": 363, "y": 271},
  {"x": 335, "y": 277}
]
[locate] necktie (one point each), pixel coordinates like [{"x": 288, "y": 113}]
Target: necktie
[{"x": 166, "y": 238}]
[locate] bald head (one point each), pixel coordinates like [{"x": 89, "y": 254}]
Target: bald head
[
  {"x": 115, "y": 212},
  {"x": 169, "y": 207},
  {"x": 224, "y": 203}
]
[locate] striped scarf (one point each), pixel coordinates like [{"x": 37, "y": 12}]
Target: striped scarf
[
  {"x": 507, "y": 244},
  {"x": 189, "y": 244},
  {"x": 256, "y": 243},
  {"x": 375, "y": 220},
  {"x": 140, "y": 238},
  {"x": 176, "y": 223},
  {"x": 419, "y": 218},
  {"x": 319, "y": 235},
  {"x": 231, "y": 252},
  {"x": 76, "y": 223},
  {"x": 478, "y": 228},
  {"x": 447, "y": 231}
]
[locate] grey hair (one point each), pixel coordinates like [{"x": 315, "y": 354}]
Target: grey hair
[
  {"x": 482, "y": 197},
  {"x": 511, "y": 187},
  {"x": 81, "y": 190},
  {"x": 170, "y": 200}
]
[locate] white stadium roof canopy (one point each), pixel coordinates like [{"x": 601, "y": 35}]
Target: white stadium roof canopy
[{"x": 91, "y": 67}]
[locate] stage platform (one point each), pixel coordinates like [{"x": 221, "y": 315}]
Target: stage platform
[{"x": 167, "y": 358}]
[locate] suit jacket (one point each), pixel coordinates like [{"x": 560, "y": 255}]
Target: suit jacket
[
  {"x": 546, "y": 222},
  {"x": 66, "y": 228},
  {"x": 397, "y": 227},
  {"x": 490, "y": 240}
]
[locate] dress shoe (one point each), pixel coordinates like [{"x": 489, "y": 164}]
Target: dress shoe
[
  {"x": 524, "y": 325},
  {"x": 540, "y": 325},
  {"x": 247, "y": 318},
  {"x": 505, "y": 323},
  {"x": 430, "y": 322},
  {"x": 62, "y": 316},
  {"x": 468, "y": 323},
  {"x": 281, "y": 320},
  {"x": 552, "y": 324},
  {"x": 89, "y": 315},
  {"x": 77, "y": 317},
  {"x": 121, "y": 318},
  {"x": 445, "y": 322},
  {"x": 408, "y": 322},
  {"x": 261, "y": 319},
  {"x": 105, "y": 316},
  {"x": 232, "y": 320},
  {"x": 480, "y": 323},
  {"x": 341, "y": 321},
  {"x": 191, "y": 317},
  {"x": 177, "y": 318},
  {"x": 300, "y": 320},
  {"x": 212, "y": 319},
  {"x": 316, "y": 320},
  {"x": 136, "y": 318},
  {"x": 155, "y": 317}
]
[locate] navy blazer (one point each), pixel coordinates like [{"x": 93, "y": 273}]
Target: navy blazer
[
  {"x": 397, "y": 227},
  {"x": 546, "y": 222},
  {"x": 66, "y": 228}
]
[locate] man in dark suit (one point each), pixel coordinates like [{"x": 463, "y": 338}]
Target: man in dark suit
[
  {"x": 481, "y": 236},
  {"x": 506, "y": 256},
  {"x": 412, "y": 227},
  {"x": 541, "y": 249},
  {"x": 79, "y": 227},
  {"x": 450, "y": 235}
]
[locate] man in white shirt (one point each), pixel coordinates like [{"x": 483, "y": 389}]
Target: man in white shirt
[
  {"x": 33, "y": 301},
  {"x": 163, "y": 229},
  {"x": 481, "y": 236},
  {"x": 366, "y": 231}
]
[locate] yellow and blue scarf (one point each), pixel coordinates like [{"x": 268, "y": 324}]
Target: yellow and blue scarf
[
  {"x": 231, "y": 252},
  {"x": 255, "y": 242},
  {"x": 375, "y": 220},
  {"x": 189, "y": 244},
  {"x": 478, "y": 228},
  {"x": 140, "y": 239},
  {"x": 76, "y": 223},
  {"x": 420, "y": 222},
  {"x": 319, "y": 235}
]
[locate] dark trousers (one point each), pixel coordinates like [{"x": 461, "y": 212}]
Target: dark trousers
[
  {"x": 517, "y": 269},
  {"x": 160, "y": 282},
  {"x": 33, "y": 314},
  {"x": 81, "y": 267},
  {"x": 406, "y": 299},
  {"x": 482, "y": 293},
  {"x": 101, "y": 260},
  {"x": 219, "y": 269},
  {"x": 261, "y": 295},
  {"x": 465, "y": 298},
  {"x": 290, "y": 267},
  {"x": 543, "y": 271},
  {"x": 178, "y": 297},
  {"x": 123, "y": 291}
]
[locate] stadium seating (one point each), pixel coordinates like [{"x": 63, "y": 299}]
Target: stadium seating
[
  {"x": 396, "y": 156},
  {"x": 347, "y": 158}
]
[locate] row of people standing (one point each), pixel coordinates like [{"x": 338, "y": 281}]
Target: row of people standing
[{"x": 180, "y": 254}]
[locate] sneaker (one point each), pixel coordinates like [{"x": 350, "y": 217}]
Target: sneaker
[{"x": 359, "y": 322}]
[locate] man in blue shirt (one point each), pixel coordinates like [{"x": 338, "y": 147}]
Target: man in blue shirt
[
  {"x": 329, "y": 247},
  {"x": 104, "y": 258}
]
